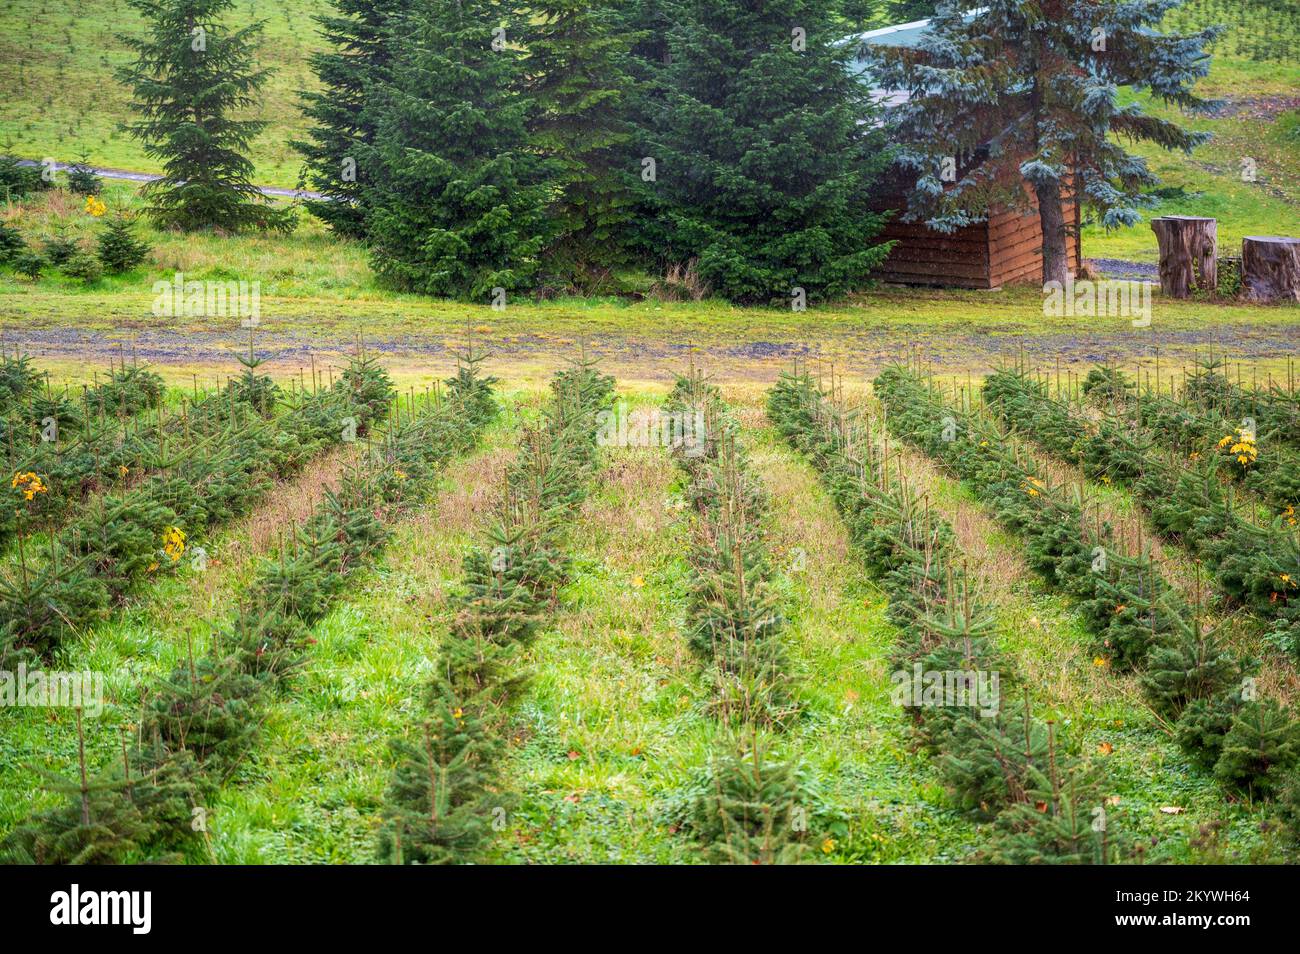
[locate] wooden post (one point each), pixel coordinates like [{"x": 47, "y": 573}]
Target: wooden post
[
  {"x": 1188, "y": 253},
  {"x": 1270, "y": 268}
]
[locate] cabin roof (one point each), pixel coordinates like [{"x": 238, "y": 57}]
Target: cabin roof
[{"x": 904, "y": 34}]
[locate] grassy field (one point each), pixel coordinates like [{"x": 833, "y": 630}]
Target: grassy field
[{"x": 607, "y": 743}]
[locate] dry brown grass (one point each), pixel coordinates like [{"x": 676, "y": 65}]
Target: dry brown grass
[
  {"x": 288, "y": 504},
  {"x": 996, "y": 568},
  {"x": 473, "y": 486}
]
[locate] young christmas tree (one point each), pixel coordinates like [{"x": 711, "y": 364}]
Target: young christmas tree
[
  {"x": 190, "y": 78},
  {"x": 457, "y": 207},
  {"x": 441, "y": 802},
  {"x": 82, "y": 179},
  {"x": 119, "y": 249},
  {"x": 354, "y": 65},
  {"x": 1261, "y": 750},
  {"x": 97, "y": 822},
  {"x": 764, "y": 152},
  {"x": 577, "y": 82},
  {"x": 1023, "y": 96}
]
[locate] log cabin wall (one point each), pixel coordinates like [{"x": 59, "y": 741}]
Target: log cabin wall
[
  {"x": 1016, "y": 245},
  {"x": 923, "y": 256},
  {"x": 1006, "y": 250}
]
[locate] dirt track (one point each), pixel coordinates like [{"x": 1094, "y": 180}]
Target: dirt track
[{"x": 978, "y": 347}]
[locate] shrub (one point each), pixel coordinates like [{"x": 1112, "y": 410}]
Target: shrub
[
  {"x": 119, "y": 249},
  {"x": 85, "y": 266},
  {"x": 11, "y": 243},
  {"x": 28, "y": 263},
  {"x": 17, "y": 181},
  {"x": 82, "y": 180},
  {"x": 59, "y": 248},
  {"x": 1229, "y": 272}
]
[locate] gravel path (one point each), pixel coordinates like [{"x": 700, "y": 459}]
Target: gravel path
[
  {"x": 979, "y": 347},
  {"x": 106, "y": 173}
]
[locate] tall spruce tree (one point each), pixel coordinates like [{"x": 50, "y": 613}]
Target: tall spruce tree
[
  {"x": 577, "y": 82},
  {"x": 459, "y": 199},
  {"x": 190, "y": 77},
  {"x": 1015, "y": 99},
  {"x": 764, "y": 151},
  {"x": 355, "y": 64},
  {"x": 647, "y": 23}
]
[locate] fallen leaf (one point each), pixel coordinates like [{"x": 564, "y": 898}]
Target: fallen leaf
[{"x": 1171, "y": 810}]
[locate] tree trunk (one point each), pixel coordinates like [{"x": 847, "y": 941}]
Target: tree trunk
[
  {"x": 1270, "y": 268},
  {"x": 1188, "y": 254},
  {"x": 1056, "y": 255}
]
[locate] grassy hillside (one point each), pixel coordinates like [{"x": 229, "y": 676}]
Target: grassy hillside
[{"x": 57, "y": 60}]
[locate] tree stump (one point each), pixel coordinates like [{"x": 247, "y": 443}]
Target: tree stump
[
  {"x": 1188, "y": 250},
  {"x": 1270, "y": 268}
]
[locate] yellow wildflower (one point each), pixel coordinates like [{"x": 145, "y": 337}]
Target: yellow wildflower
[
  {"x": 29, "y": 484},
  {"x": 174, "y": 543},
  {"x": 95, "y": 206},
  {"x": 828, "y": 846}
]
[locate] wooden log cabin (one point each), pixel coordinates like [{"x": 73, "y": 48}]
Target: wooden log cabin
[{"x": 1004, "y": 250}]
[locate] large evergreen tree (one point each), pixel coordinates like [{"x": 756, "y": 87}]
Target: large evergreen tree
[
  {"x": 190, "y": 77},
  {"x": 458, "y": 203},
  {"x": 647, "y": 23},
  {"x": 764, "y": 151},
  {"x": 1014, "y": 99},
  {"x": 355, "y": 64},
  {"x": 577, "y": 83}
]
